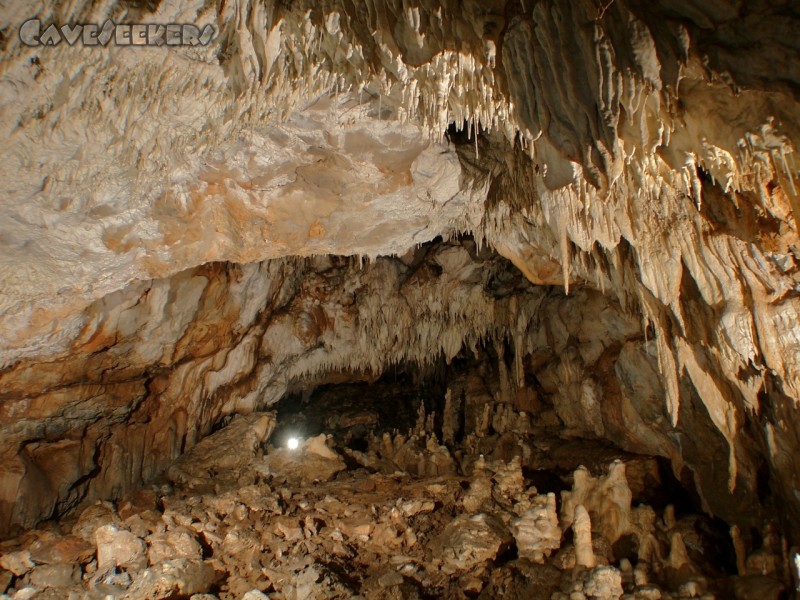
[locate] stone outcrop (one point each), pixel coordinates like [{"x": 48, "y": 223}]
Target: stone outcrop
[
  {"x": 125, "y": 402},
  {"x": 279, "y": 528},
  {"x": 603, "y": 193}
]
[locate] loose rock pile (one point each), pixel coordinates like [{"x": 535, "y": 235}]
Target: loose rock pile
[{"x": 406, "y": 518}]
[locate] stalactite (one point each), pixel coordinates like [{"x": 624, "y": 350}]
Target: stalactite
[{"x": 506, "y": 395}]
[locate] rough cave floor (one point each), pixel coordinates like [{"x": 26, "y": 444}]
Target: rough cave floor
[
  {"x": 413, "y": 485},
  {"x": 521, "y": 278}
]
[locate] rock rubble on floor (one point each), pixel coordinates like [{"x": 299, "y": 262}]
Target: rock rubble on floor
[{"x": 406, "y": 517}]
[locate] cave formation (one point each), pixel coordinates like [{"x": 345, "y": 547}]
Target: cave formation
[{"x": 518, "y": 277}]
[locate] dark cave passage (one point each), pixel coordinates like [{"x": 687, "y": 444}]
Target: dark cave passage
[
  {"x": 483, "y": 436},
  {"x": 412, "y": 401}
]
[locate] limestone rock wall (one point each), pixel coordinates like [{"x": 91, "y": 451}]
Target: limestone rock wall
[
  {"x": 645, "y": 150},
  {"x": 158, "y": 364}
]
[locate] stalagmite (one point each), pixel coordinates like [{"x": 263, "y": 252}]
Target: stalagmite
[
  {"x": 480, "y": 488},
  {"x": 450, "y": 419},
  {"x": 669, "y": 517},
  {"x": 582, "y": 530},
  {"x": 608, "y": 497},
  {"x": 641, "y": 575},
  {"x": 506, "y": 393},
  {"x": 429, "y": 422},
  {"x": 536, "y": 532},
  {"x": 739, "y": 548},
  {"x": 484, "y": 421},
  {"x": 644, "y": 528},
  {"x": 419, "y": 427},
  {"x": 678, "y": 556},
  {"x": 509, "y": 479}
]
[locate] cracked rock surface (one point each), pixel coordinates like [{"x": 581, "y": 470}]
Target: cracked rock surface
[
  {"x": 580, "y": 217},
  {"x": 275, "y": 523}
]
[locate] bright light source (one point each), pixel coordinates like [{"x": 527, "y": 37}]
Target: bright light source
[
  {"x": 797, "y": 569},
  {"x": 292, "y": 443}
]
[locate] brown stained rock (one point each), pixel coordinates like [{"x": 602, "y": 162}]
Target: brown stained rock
[
  {"x": 18, "y": 562},
  {"x": 239, "y": 587},
  {"x": 471, "y": 585},
  {"x": 289, "y": 529},
  {"x": 643, "y": 477},
  {"x": 179, "y": 542},
  {"x": 388, "y": 537},
  {"x": 758, "y": 587},
  {"x": 55, "y": 576},
  {"x": 310, "y": 581},
  {"x": 565, "y": 559},
  {"x": 119, "y": 548},
  {"x": 69, "y": 549},
  {"x": 259, "y": 499},
  {"x": 225, "y": 454},
  {"x": 387, "y": 584},
  {"x": 93, "y": 517},
  {"x": 469, "y": 541},
  {"x": 368, "y": 535},
  {"x": 178, "y": 577},
  {"x": 527, "y": 401},
  {"x": 410, "y": 508},
  {"x": 111, "y": 583},
  {"x": 138, "y": 502},
  {"x": 5, "y": 580},
  {"x": 312, "y": 462},
  {"x": 241, "y": 547},
  {"x": 28, "y": 593},
  {"x": 358, "y": 527},
  {"x": 144, "y": 523}
]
